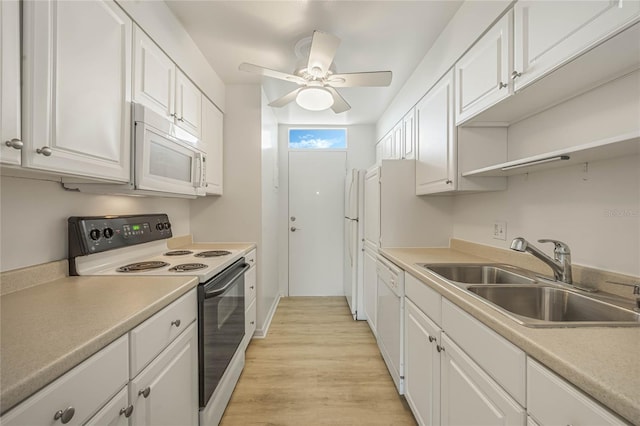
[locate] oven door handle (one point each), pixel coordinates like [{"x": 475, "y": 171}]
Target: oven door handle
[{"x": 219, "y": 291}]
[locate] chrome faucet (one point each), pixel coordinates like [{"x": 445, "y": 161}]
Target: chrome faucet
[{"x": 560, "y": 264}]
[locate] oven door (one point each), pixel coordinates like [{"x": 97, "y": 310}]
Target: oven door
[
  {"x": 220, "y": 325},
  {"x": 164, "y": 163}
]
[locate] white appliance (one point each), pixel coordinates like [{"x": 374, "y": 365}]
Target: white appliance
[
  {"x": 353, "y": 240},
  {"x": 166, "y": 161},
  {"x": 390, "y": 322}
]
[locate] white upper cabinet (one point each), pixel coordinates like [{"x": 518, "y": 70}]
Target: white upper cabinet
[
  {"x": 548, "y": 34},
  {"x": 154, "y": 76},
  {"x": 483, "y": 73},
  {"x": 398, "y": 141},
  {"x": 436, "y": 141},
  {"x": 212, "y": 138},
  {"x": 10, "y": 132},
  {"x": 188, "y": 105},
  {"x": 408, "y": 131},
  {"x": 388, "y": 152},
  {"x": 77, "y": 88}
]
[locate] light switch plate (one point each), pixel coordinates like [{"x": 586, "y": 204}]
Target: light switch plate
[{"x": 500, "y": 230}]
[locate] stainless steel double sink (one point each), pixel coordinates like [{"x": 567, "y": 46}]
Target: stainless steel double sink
[{"x": 534, "y": 301}]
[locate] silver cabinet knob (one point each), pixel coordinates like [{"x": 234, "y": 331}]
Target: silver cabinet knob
[
  {"x": 449, "y": 182},
  {"x": 432, "y": 339},
  {"x": 65, "y": 415},
  {"x": 127, "y": 411},
  {"x": 294, "y": 229},
  {"x": 173, "y": 115},
  {"x": 145, "y": 392},
  {"x": 45, "y": 150},
  {"x": 502, "y": 85},
  {"x": 515, "y": 75},
  {"x": 293, "y": 218},
  {"x": 252, "y": 322},
  {"x": 440, "y": 348},
  {"x": 252, "y": 287},
  {"x": 176, "y": 323},
  {"x": 14, "y": 143},
  {"x": 181, "y": 119}
]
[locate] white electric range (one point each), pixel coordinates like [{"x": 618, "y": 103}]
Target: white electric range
[{"x": 137, "y": 245}]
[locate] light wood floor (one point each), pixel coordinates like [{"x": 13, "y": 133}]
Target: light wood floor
[{"x": 316, "y": 367}]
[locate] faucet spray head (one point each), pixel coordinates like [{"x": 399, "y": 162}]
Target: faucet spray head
[{"x": 519, "y": 244}]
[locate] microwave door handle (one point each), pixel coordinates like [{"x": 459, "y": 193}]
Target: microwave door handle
[
  {"x": 219, "y": 291},
  {"x": 198, "y": 171}
]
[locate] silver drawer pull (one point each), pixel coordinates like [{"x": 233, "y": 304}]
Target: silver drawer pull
[
  {"x": 127, "y": 411},
  {"x": 176, "y": 323},
  {"x": 515, "y": 75},
  {"x": 14, "y": 143},
  {"x": 502, "y": 85},
  {"x": 440, "y": 348},
  {"x": 45, "y": 150},
  {"x": 432, "y": 339},
  {"x": 145, "y": 392},
  {"x": 65, "y": 415}
]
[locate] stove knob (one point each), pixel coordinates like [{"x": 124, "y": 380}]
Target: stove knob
[
  {"x": 159, "y": 226},
  {"x": 94, "y": 234},
  {"x": 107, "y": 232},
  {"x": 167, "y": 225}
]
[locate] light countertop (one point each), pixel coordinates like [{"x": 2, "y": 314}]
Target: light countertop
[
  {"x": 601, "y": 361},
  {"x": 48, "y": 329}
]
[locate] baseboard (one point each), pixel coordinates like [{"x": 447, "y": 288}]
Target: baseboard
[{"x": 261, "y": 333}]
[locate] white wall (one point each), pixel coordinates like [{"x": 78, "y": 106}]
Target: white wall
[
  {"x": 360, "y": 155},
  {"x": 33, "y": 217},
  {"x": 269, "y": 289},
  {"x": 472, "y": 19},
  {"x": 157, "y": 20}
]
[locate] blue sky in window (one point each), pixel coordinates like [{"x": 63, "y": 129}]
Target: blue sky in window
[{"x": 318, "y": 138}]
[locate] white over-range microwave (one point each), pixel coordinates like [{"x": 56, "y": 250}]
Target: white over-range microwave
[{"x": 166, "y": 161}]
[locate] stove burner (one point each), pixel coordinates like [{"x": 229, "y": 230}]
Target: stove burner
[
  {"x": 142, "y": 266},
  {"x": 213, "y": 253},
  {"x": 186, "y": 267},
  {"x": 178, "y": 252}
]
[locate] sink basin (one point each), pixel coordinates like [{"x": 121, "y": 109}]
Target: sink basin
[
  {"x": 480, "y": 274},
  {"x": 546, "y": 306}
]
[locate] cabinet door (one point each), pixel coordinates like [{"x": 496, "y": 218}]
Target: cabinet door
[
  {"x": 188, "y": 105},
  {"x": 154, "y": 76},
  {"x": 212, "y": 135},
  {"x": 436, "y": 139},
  {"x": 372, "y": 207},
  {"x": 115, "y": 413},
  {"x": 408, "y": 130},
  {"x": 387, "y": 147},
  {"x": 170, "y": 383},
  {"x": 470, "y": 396},
  {"x": 10, "y": 132},
  {"x": 398, "y": 141},
  {"x": 482, "y": 74},
  {"x": 422, "y": 365},
  {"x": 77, "y": 81},
  {"x": 370, "y": 280},
  {"x": 249, "y": 323},
  {"x": 379, "y": 152},
  {"x": 389, "y": 327},
  {"x": 549, "y": 34}
]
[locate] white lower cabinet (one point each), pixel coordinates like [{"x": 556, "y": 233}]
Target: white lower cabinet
[
  {"x": 422, "y": 365},
  {"x": 75, "y": 397},
  {"x": 115, "y": 413},
  {"x": 553, "y": 401},
  {"x": 469, "y": 396},
  {"x": 250, "y": 291},
  {"x": 166, "y": 391},
  {"x": 370, "y": 287}
]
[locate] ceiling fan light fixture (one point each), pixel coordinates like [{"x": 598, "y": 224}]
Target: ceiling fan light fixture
[{"x": 314, "y": 98}]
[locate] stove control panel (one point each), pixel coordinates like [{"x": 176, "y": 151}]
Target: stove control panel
[{"x": 95, "y": 234}]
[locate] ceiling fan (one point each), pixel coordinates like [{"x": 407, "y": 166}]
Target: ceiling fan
[{"x": 317, "y": 78}]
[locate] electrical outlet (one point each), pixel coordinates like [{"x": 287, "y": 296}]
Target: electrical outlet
[{"x": 500, "y": 230}]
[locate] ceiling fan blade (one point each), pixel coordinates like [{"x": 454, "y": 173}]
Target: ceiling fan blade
[
  {"x": 359, "y": 79},
  {"x": 339, "y": 104},
  {"x": 323, "y": 49},
  {"x": 289, "y": 97},
  {"x": 256, "y": 69}
]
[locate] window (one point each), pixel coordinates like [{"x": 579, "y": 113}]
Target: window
[{"x": 317, "y": 138}]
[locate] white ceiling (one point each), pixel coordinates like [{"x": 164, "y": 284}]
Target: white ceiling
[{"x": 376, "y": 36}]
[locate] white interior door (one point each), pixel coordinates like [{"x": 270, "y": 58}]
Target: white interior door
[{"x": 316, "y": 212}]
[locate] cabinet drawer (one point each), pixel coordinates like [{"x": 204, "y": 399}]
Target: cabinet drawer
[
  {"x": 504, "y": 362},
  {"x": 250, "y": 258},
  {"x": 425, "y": 298},
  {"x": 250, "y": 286},
  {"x": 112, "y": 414},
  {"x": 553, "y": 401},
  {"x": 149, "y": 338},
  {"x": 86, "y": 388}
]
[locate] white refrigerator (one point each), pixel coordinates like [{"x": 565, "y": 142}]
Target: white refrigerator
[{"x": 353, "y": 241}]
